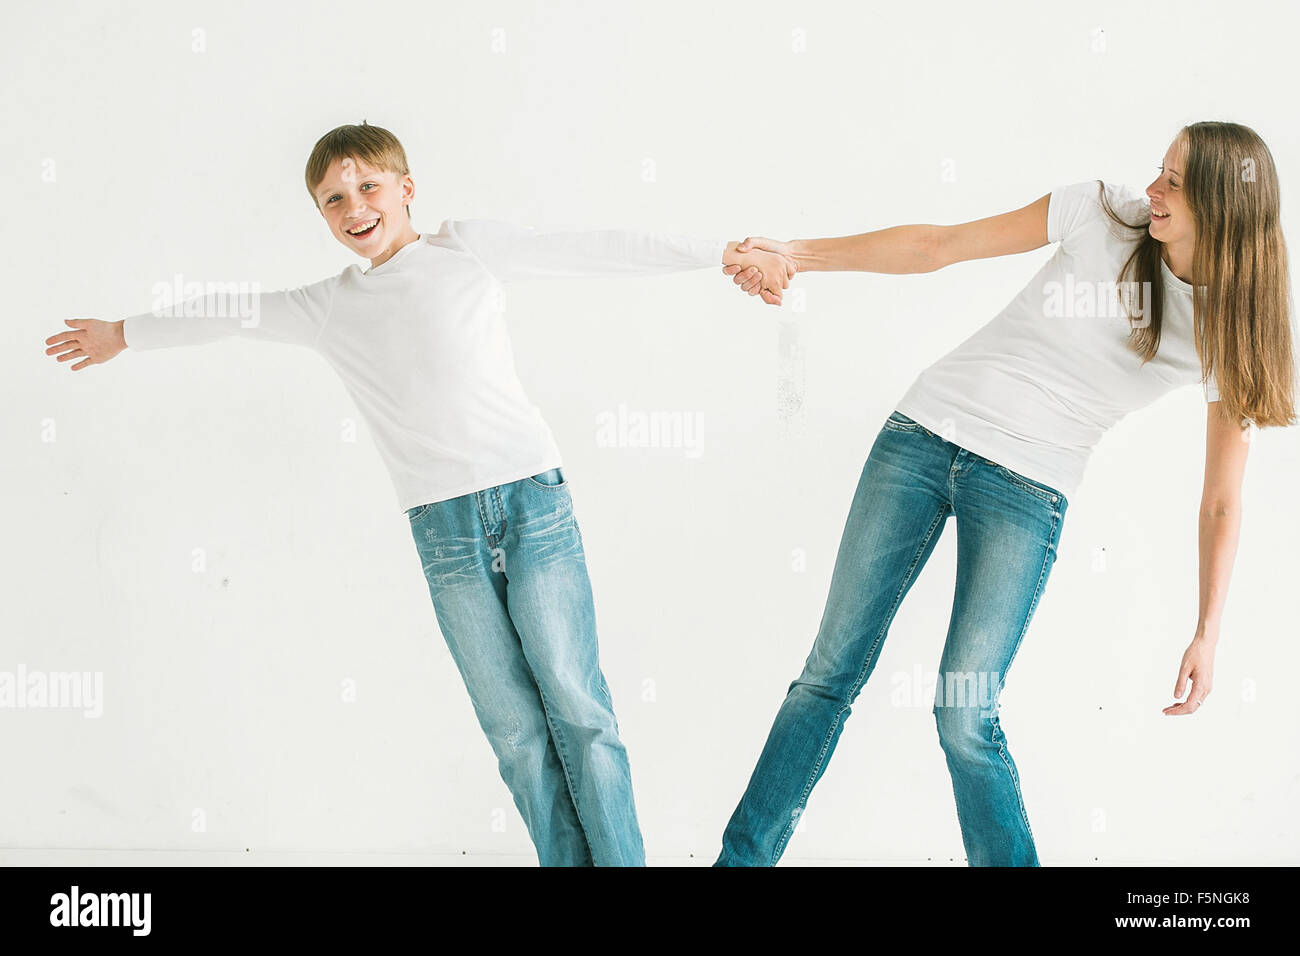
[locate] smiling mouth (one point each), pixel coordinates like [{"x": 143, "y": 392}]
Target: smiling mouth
[
  {"x": 1159, "y": 215},
  {"x": 362, "y": 229}
]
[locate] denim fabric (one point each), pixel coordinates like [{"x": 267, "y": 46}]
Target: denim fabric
[
  {"x": 1008, "y": 529},
  {"x": 508, "y": 578}
]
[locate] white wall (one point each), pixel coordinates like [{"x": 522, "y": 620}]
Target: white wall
[{"x": 222, "y": 688}]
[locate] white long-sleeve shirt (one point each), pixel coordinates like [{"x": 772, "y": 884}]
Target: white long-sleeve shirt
[{"x": 421, "y": 344}]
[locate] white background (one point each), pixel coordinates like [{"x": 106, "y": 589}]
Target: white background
[{"x": 223, "y": 697}]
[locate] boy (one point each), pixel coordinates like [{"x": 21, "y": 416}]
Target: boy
[{"x": 420, "y": 342}]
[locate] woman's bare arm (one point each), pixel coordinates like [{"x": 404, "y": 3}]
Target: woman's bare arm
[
  {"x": 911, "y": 249},
  {"x": 1226, "y": 447}
]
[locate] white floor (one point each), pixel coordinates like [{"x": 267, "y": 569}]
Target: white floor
[
  {"x": 41, "y": 857},
  {"x": 109, "y": 857}
]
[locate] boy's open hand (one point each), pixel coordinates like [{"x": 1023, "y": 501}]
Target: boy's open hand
[
  {"x": 761, "y": 267},
  {"x": 91, "y": 340}
]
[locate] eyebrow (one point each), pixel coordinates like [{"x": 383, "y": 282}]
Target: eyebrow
[{"x": 1172, "y": 170}]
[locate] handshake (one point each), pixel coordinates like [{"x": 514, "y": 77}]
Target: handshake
[{"x": 760, "y": 266}]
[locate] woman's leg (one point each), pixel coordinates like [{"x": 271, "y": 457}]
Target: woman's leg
[
  {"x": 458, "y": 543},
  {"x": 550, "y": 601},
  {"x": 897, "y": 515},
  {"x": 1008, "y": 528}
]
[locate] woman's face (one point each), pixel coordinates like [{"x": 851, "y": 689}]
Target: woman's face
[{"x": 1171, "y": 220}]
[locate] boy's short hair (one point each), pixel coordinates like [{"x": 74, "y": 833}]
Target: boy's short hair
[{"x": 372, "y": 145}]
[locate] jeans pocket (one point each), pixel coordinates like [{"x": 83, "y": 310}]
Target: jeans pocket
[
  {"x": 418, "y": 511},
  {"x": 1045, "y": 492},
  {"x": 900, "y": 422},
  {"x": 549, "y": 479}
]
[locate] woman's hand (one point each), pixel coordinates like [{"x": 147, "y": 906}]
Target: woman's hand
[
  {"x": 92, "y": 340},
  {"x": 1198, "y": 667},
  {"x": 760, "y": 267}
]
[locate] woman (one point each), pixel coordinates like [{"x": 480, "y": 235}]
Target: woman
[{"x": 998, "y": 431}]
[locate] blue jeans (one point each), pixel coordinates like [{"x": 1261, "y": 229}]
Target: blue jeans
[
  {"x": 508, "y": 578},
  {"x": 1008, "y": 528}
]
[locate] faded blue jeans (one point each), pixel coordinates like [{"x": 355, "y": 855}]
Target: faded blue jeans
[
  {"x": 508, "y": 578},
  {"x": 1008, "y": 528}
]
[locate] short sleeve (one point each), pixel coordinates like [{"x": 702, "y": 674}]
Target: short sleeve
[
  {"x": 1070, "y": 208},
  {"x": 1211, "y": 389}
]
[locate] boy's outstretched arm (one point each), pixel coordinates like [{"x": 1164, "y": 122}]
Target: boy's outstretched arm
[
  {"x": 510, "y": 251},
  {"x": 292, "y": 316}
]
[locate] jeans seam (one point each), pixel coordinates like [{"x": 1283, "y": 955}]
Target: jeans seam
[
  {"x": 482, "y": 514},
  {"x": 1038, "y": 590},
  {"x": 560, "y": 753},
  {"x": 853, "y": 690}
]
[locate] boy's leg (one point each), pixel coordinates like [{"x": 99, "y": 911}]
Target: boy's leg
[
  {"x": 550, "y": 600},
  {"x": 469, "y": 599}
]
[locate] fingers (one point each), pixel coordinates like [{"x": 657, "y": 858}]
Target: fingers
[
  {"x": 756, "y": 242},
  {"x": 1184, "y": 672},
  {"x": 1180, "y": 685},
  {"x": 68, "y": 356},
  {"x": 1192, "y": 705},
  {"x": 743, "y": 275},
  {"x": 1200, "y": 690},
  {"x": 63, "y": 347},
  {"x": 750, "y": 277},
  {"x": 753, "y": 280}
]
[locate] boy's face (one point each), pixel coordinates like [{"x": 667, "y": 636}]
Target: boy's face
[{"x": 364, "y": 206}]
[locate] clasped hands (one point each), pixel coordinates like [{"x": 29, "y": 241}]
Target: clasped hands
[{"x": 760, "y": 266}]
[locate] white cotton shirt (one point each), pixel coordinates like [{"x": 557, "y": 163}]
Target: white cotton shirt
[
  {"x": 421, "y": 342},
  {"x": 1036, "y": 387}
]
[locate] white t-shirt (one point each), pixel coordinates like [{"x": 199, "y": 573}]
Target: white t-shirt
[
  {"x": 421, "y": 342},
  {"x": 1035, "y": 388}
]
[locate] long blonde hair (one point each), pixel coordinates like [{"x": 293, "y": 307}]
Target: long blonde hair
[{"x": 1241, "y": 294}]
